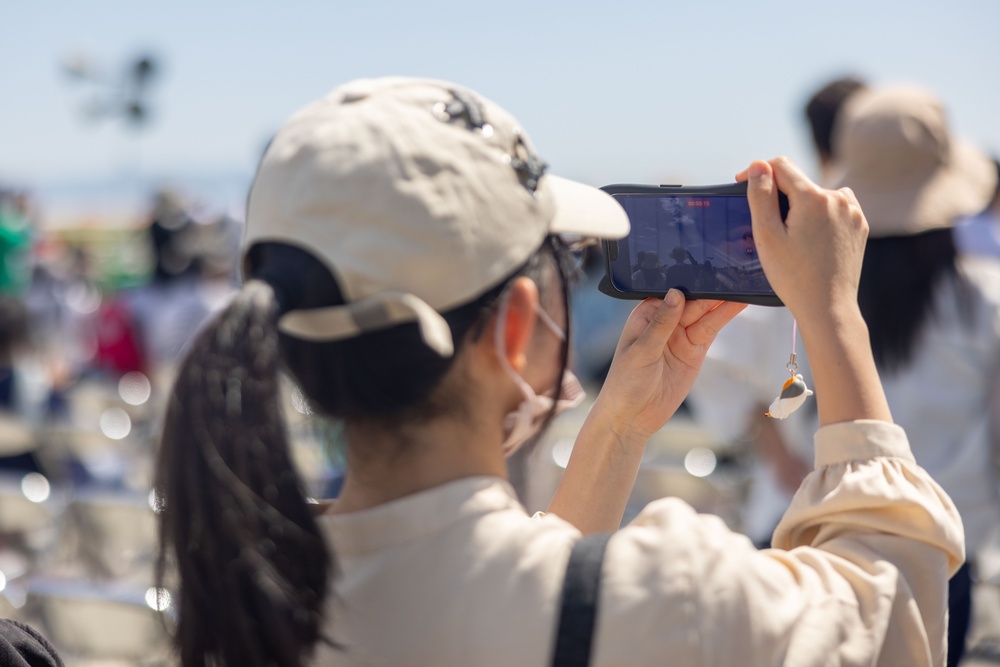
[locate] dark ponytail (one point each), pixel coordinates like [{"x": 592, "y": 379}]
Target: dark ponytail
[{"x": 235, "y": 524}]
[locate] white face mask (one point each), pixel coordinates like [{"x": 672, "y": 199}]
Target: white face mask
[{"x": 524, "y": 423}]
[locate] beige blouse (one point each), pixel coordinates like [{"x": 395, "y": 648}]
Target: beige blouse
[{"x": 460, "y": 575}]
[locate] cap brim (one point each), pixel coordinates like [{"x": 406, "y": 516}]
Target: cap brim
[{"x": 585, "y": 210}]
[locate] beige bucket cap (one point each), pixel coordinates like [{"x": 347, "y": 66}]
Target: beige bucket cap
[{"x": 910, "y": 174}]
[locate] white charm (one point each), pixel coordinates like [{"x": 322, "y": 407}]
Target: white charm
[{"x": 793, "y": 394}]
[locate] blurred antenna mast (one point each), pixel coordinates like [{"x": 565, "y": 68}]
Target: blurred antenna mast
[{"x": 121, "y": 97}]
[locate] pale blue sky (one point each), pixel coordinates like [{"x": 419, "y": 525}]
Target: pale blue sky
[{"x": 609, "y": 91}]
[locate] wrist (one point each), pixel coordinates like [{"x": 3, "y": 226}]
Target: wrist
[
  {"x": 831, "y": 322},
  {"x": 845, "y": 377},
  {"x": 622, "y": 429}
]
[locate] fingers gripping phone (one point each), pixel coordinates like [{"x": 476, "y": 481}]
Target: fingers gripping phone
[{"x": 697, "y": 239}]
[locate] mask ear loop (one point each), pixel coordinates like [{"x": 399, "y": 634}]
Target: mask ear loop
[
  {"x": 551, "y": 324},
  {"x": 794, "y": 392}
]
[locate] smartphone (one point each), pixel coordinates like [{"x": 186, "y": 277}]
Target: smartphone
[{"x": 697, "y": 239}]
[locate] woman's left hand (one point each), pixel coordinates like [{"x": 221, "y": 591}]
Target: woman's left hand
[
  {"x": 658, "y": 357},
  {"x": 657, "y": 360}
]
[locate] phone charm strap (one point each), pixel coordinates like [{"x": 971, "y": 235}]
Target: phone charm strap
[{"x": 794, "y": 392}]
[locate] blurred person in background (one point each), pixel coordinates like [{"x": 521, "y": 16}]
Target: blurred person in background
[
  {"x": 403, "y": 261},
  {"x": 24, "y": 382},
  {"x": 16, "y": 238},
  {"x": 14, "y": 456},
  {"x": 13, "y": 338},
  {"x": 193, "y": 274},
  {"x": 933, "y": 314},
  {"x": 171, "y": 288},
  {"x": 747, "y": 365}
]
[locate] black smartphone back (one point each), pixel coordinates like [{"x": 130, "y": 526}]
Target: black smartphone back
[{"x": 697, "y": 239}]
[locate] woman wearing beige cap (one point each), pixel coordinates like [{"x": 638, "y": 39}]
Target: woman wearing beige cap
[
  {"x": 933, "y": 315},
  {"x": 403, "y": 262}
]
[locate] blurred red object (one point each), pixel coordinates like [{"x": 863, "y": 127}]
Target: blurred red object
[{"x": 118, "y": 342}]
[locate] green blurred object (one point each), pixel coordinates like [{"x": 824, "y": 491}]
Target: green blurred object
[
  {"x": 15, "y": 252},
  {"x": 120, "y": 257}
]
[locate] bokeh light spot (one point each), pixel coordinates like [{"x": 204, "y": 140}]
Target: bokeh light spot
[
  {"x": 700, "y": 462},
  {"x": 115, "y": 423}
]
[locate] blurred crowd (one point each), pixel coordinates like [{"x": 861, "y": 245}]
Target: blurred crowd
[
  {"x": 86, "y": 356},
  {"x": 71, "y": 316},
  {"x": 86, "y": 359}
]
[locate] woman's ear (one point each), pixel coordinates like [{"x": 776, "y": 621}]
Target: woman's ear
[{"x": 519, "y": 321}]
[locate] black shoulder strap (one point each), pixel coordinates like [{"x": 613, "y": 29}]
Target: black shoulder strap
[{"x": 578, "y": 613}]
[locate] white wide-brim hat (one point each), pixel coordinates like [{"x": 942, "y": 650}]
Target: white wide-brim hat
[
  {"x": 909, "y": 173},
  {"x": 418, "y": 196}
]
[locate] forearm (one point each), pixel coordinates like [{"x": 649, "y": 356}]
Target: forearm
[
  {"x": 846, "y": 380},
  {"x": 600, "y": 474}
]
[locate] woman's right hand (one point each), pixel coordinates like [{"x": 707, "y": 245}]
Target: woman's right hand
[
  {"x": 813, "y": 258},
  {"x": 813, "y": 261}
]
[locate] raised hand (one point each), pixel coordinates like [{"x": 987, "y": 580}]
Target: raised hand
[
  {"x": 813, "y": 258},
  {"x": 813, "y": 261},
  {"x": 658, "y": 357}
]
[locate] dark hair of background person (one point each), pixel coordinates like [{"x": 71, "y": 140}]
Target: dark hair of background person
[
  {"x": 235, "y": 524},
  {"x": 822, "y": 108},
  {"x": 172, "y": 235},
  {"x": 897, "y": 291}
]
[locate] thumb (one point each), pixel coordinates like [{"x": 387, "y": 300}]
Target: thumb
[
  {"x": 762, "y": 194},
  {"x": 659, "y": 325}
]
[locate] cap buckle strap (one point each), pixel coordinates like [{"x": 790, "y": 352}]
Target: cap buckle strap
[{"x": 379, "y": 311}]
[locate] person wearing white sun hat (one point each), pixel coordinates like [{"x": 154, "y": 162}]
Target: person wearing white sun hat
[
  {"x": 403, "y": 261},
  {"x": 933, "y": 313}
]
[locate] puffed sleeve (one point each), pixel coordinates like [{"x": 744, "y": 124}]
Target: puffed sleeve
[{"x": 857, "y": 576}]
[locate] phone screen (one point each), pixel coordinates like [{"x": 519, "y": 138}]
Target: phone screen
[{"x": 700, "y": 244}]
